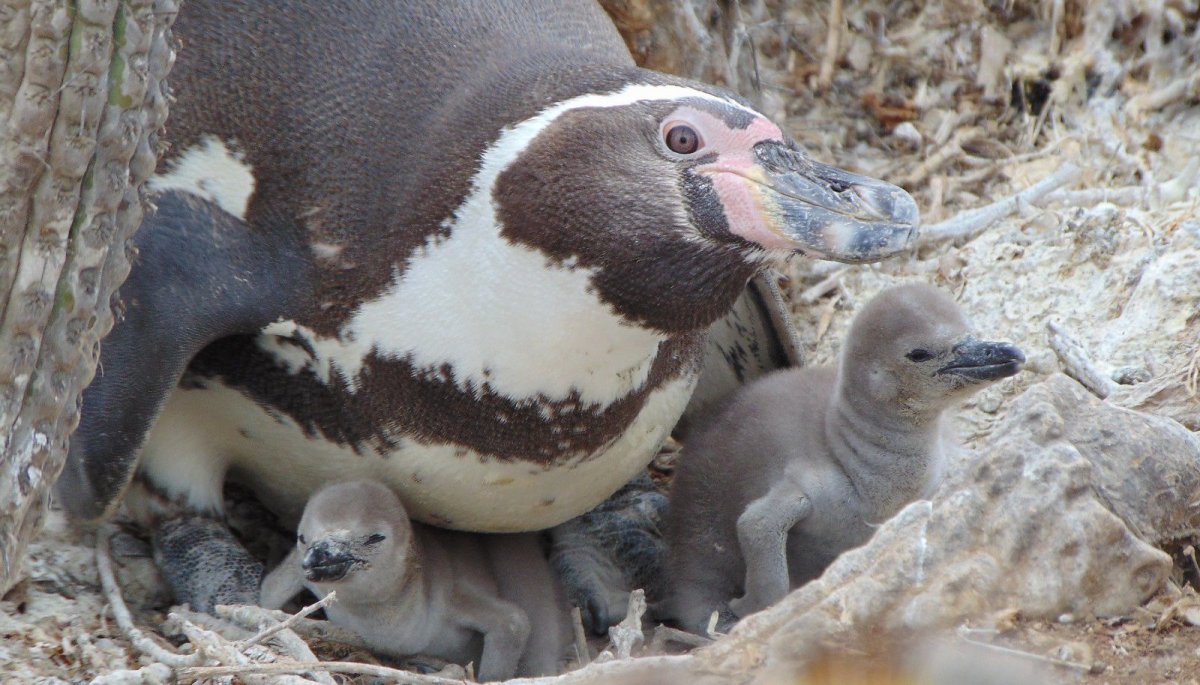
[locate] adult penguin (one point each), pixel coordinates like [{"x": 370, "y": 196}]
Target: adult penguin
[{"x": 465, "y": 248}]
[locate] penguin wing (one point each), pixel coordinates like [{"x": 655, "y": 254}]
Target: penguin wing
[{"x": 200, "y": 274}]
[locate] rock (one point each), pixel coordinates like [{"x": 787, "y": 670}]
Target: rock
[
  {"x": 1173, "y": 395},
  {"x": 1147, "y": 466},
  {"x": 1131, "y": 375},
  {"x": 1158, "y": 322},
  {"x": 1028, "y": 526},
  {"x": 907, "y": 136}
]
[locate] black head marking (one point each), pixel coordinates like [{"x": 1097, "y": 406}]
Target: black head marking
[{"x": 616, "y": 206}]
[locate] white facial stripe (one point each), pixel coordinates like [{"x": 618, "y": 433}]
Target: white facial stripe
[
  {"x": 212, "y": 171},
  {"x": 514, "y": 140},
  {"x": 501, "y": 314}
]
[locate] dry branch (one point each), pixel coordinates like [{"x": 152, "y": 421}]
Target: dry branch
[
  {"x": 665, "y": 634},
  {"x": 965, "y": 634},
  {"x": 1076, "y": 363},
  {"x": 305, "y": 627},
  {"x": 112, "y": 592},
  {"x": 274, "y": 626},
  {"x": 1124, "y": 195},
  {"x": 972, "y": 222},
  {"x": 628, "y": 633},
  {"x": 833, "y": 46},
  {"x": 154, "y": 674},
  {"x": 1180, "y": 89},
  {"x": 582, "y": 653},
  {"x": 823, "y": 288}
]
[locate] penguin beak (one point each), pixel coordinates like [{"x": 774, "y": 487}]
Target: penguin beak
[
  {"x": 980, "y": 360},
  {"x": 327, "y": 560},
  {"x": 827, "y": 212}
]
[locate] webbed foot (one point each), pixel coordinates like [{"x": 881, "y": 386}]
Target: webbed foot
[{"x": 204, "y": 564}]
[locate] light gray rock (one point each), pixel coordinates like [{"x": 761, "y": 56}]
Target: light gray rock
[
  {"x": 1147, "y": 466},
  {"x": 1173, "y": 394},
  {"x": 1029, "y": 525}
]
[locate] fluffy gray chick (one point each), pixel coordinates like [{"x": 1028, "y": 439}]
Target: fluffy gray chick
[
  {"x": 409, "y": 589},
  {"x": 802, "y": 464}
]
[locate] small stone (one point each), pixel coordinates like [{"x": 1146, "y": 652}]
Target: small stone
[
  {"x": 1130, "y": 375},
  {"x": 1077, "y": 652},
  {"x": 907, "y": 136}
]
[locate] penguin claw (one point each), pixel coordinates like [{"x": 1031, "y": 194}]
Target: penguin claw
[{"x": 595, "y": 616}]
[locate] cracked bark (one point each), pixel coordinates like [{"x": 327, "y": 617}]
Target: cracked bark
[{"x": 82, "y": 99}]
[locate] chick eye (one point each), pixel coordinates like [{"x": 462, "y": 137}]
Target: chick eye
[
  {"x": 375, "y": 539},
  {"x": 301, "y": 540},
  {"x": 682, "y": 139},
  {"x": 918, "y": 355}
]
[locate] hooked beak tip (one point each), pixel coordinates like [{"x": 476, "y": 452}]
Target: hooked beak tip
[{"x": 833, "y": 213}]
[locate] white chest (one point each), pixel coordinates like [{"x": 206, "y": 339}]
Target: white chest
[{"x": 497, "y": 314}]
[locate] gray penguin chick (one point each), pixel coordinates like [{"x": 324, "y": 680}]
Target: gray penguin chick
[
  {"x": 409, "y": 589},
  {"x": 799, "y": 466}
]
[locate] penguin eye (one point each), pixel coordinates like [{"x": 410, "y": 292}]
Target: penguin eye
[
  {"x": 301, "y": 540},
  {"x": 375, "y": 539},
  {"x": 683, "y": 139},
  {"x": 918, "y": 355}
]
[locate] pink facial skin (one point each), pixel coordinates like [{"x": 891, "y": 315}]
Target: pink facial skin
[{"x": 735, "y": 171}]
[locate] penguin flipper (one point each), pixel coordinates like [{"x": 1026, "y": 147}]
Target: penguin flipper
[
  {"x": 200, "y": 274},
  {"x": 284, "y": 582},
  {"x": 762, "y": 537}
]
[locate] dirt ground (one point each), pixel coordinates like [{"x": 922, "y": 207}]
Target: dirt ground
[{"x": 964, "y": 104}]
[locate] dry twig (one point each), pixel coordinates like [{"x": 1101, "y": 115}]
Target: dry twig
[
  {"x": 665, "y": 634},
  {"x": 628, "y": 632},
  {"x": 964, "y": 635},
  {"x": 286, "y": 640},
  {"x": 582, "y": 654},
  {"x": 971, "y": 222},
  {"x": 112, "y": 592},
  {"x": 1124, "y": 195},
  {"x": 274, "y": 626},
  {"x": 1076, "y": 362},
  {"x": 154, "y": 674},
  {"x": 196, "y": 673},
  {"x": 1179, "y": 89},
  {"x": 833, "y": 45},
  {"x": 948, "y": 152},
  {"x": 305, "y": 627},
  {"x": 827, "y": 285}
]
